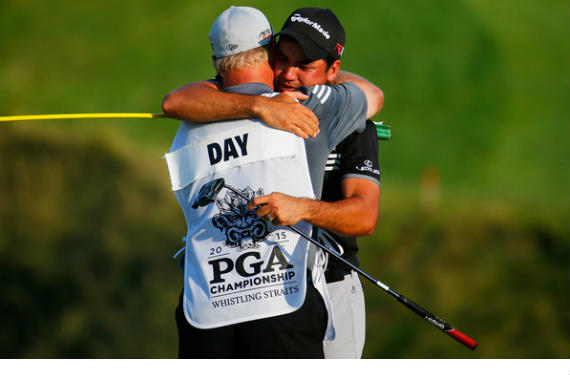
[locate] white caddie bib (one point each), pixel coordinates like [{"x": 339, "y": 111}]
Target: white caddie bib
[{"x": 238, "y": 267}]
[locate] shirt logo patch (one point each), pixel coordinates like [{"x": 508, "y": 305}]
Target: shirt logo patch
[
  {"x": 368, "y": 167},
  {"x": 333, "y": 162},
  {"x": 322, "y": 92}
]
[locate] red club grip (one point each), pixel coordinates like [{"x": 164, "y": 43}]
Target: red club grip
[{"x": 462, "y": 338}]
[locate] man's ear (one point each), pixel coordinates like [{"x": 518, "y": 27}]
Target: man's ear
[
  {"x": 333, "y": 71},
  {"x": 214, "y": 64}
]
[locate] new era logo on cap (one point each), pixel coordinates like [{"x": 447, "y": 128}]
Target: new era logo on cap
[{"x": 239, "y": 29}]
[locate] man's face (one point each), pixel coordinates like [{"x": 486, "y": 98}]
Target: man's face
[{"x": 293, "y": 70}]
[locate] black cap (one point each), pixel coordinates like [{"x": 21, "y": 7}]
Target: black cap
[{"x": 318, "y": 31}]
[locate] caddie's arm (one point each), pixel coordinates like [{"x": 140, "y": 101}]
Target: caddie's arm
[
  {"x": 204, "y": 102},
  {"x": 374, "y": 95}
]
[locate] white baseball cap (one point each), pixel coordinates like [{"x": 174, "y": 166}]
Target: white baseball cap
[{"x": 239, "y": 29}]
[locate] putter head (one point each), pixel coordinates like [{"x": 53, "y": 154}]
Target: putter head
[{"x": 208, "y": 193}]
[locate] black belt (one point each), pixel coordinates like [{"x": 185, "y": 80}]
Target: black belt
[{"x": 335, "y": 274}]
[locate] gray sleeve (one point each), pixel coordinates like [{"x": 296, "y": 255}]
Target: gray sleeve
[{"x": 341, "y": 110}]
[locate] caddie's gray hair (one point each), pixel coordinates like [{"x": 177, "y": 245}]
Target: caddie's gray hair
[{"x": 249, "y": 58}]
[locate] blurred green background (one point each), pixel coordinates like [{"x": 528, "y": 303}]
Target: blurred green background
[{"x": 474, "y": 217}]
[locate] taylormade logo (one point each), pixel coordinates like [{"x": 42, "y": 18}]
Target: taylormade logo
[{"x": 298, "y": 18}]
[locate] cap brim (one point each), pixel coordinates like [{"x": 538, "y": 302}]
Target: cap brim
[{"x": 312, "y": 50}]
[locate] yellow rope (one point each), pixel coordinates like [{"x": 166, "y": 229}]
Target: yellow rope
[{"x": 81, "y": 115}]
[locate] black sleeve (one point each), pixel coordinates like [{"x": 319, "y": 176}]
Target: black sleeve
[{"x": 359, "y": 155}]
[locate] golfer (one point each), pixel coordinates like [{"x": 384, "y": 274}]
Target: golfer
[
  {"x": 247, "y": 292},
  {"x": 304, "y": 57}
]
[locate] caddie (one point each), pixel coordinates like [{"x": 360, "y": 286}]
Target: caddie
[
  {"x": 250, "y": 288},
  {"x": 311, "y": 43}
]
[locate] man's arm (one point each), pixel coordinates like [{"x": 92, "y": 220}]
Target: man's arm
[
  {"x": 204, "y": 102},
  {"x": 374, "y": 95},
  {"x": 354, "y": 211},
  {"x": 354, "y": 215}
]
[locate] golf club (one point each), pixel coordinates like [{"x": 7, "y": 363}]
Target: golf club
[{"x": 207, "y": 195}]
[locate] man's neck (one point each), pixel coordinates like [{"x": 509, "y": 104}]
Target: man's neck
[{"x": 248, "y": 75}]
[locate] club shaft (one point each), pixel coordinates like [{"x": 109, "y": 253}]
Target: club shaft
[
  {"x": 347, "y": 263},
  {"x": 423, "y": 313}
]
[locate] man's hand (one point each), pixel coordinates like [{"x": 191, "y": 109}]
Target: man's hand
[
  {"x": 354, "y": 215},
  {"x": 204, "y": 102},
  {"x": 285, "y": 113},
  {"x": 279, "y": 208}
]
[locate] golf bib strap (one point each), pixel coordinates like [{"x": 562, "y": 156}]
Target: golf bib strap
[{"x": 226, "y": 150}]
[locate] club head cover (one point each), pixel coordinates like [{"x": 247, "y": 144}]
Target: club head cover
[{"x": 208, "y": 193}]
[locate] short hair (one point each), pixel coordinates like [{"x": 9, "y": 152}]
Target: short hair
[
  {"x": 249, "y": 58},
  {"x": 329, "y": 60}
]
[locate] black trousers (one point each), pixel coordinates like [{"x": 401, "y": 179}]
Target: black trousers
[{"x": 295, "y": 335}]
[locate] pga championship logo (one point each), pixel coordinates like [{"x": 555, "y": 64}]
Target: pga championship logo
[
  {"x": 241, "y": 226},
  {"x": 265, "y": 269}
]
